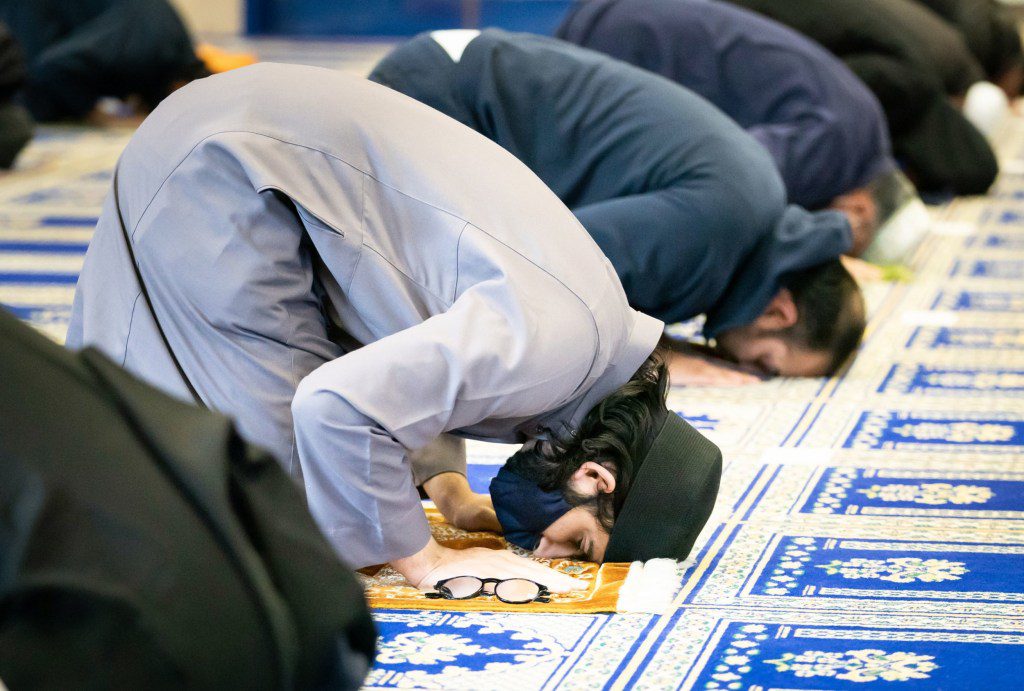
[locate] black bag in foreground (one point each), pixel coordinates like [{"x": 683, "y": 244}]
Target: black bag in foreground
[{"x": 143, "y": 545}]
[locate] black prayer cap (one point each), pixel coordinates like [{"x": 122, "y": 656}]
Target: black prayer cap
[{"x": 671, "y": 498}]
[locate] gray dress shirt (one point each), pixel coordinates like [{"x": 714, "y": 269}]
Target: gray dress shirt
[{"x": 268, "y": 202}]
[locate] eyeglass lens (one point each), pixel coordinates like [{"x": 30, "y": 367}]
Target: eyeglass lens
[
  {"x": 517, "y": 590},
  {"x": 464, "y": 586}
]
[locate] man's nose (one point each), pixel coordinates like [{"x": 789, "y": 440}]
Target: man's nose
[{"x": 546, "y": 548}]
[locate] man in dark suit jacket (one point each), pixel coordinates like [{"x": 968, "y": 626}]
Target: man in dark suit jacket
[
  {"x": 823, "y": 127},
  {"x": 919, "y": 68},
  {"x": 992, "y": 36},
  {"x": 79, "y": 51}
]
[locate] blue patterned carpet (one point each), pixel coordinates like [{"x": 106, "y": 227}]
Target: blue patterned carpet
[{"x": 869, "y": 533}]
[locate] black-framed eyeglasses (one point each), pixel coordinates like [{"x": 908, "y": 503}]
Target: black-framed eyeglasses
[{"x": 512, "y": 591}]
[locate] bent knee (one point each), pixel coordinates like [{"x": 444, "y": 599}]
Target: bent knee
[{"x": 312, "y": 406}]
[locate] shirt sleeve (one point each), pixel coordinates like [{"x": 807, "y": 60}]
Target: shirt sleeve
[
  {"x": 356, "y": 417},
  {"x": 446, "y": 454}
]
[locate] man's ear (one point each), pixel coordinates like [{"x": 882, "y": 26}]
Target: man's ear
[
  {"x": 862, "y": 213},
  {"x": 593, "y": 478},
  {"x": 781, "y": 312},
  {"x": 859, "y": 202}
]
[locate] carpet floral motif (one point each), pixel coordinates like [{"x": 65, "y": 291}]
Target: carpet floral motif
[
  {"x": 930, "y": 493},
  {"x": 898, "y": 569},
  {"x": 858, "y": 666}
]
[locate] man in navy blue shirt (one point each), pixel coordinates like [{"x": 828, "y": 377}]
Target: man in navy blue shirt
[
  {"x": 688, "y": 207},
  {"x": 823, "y": 127}
]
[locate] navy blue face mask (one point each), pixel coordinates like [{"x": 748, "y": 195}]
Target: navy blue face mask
[{"x": 524, "y": 509}]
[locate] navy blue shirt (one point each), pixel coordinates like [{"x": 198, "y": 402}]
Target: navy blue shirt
[
  {"x": 824, "y": 128},
  {"x": 687, "y": 206}
]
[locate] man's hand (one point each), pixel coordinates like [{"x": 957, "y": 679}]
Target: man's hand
[
  {"x": 435, "y": 563},
  {"x": 697, "y": 370},
  {"x": 460, "y": 505}
]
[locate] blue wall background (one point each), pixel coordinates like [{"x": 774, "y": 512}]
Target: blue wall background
[{"x": 398, "y": 17}]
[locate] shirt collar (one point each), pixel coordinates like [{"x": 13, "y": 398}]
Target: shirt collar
[{"x": 642, "y": 340}]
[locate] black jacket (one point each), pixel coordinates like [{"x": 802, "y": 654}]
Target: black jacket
[
  {"x": 143, "y": 545},
  {"x": 988, "y": 29}
]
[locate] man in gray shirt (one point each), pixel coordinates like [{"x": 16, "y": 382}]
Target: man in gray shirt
[{"x": 351, "y": 274}]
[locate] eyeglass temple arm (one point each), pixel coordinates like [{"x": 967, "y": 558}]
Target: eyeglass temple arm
[{"x": 440, "y": 591}]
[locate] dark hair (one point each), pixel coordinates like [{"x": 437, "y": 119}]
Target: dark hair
[
  {"x": 617, "y": 432},
  {"x": 887, "y": 192},
  {"x": 831, "y": 311}
]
